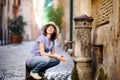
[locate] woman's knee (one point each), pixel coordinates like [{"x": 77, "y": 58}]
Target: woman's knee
[
  {"x": 39, "y": 59},
  {"x": 43, "y": 59},
  {"x": 55, "y": 60}
]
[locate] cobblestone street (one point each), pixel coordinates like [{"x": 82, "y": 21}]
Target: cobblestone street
[{"x": 12, "y": 63}]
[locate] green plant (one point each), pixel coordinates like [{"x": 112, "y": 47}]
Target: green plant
[
  {"x": 74, "y": 75},
  {"x": 16, "y": 25},
  {"x": 101, "y": 74},
  {"x": 54, "y": 14}
]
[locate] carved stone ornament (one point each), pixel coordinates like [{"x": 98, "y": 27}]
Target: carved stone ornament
[{"x": 82, "y": 37}]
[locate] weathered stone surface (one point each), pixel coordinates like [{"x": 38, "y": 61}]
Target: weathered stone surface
[
  {"x": 107, "y": 34},
  {"x": 82, "y": 37}
]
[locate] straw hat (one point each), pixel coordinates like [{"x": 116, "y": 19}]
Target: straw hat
[{"x": 49, "y": 23}]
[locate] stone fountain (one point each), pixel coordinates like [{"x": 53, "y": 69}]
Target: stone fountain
[{"x": 82, "y": 38}]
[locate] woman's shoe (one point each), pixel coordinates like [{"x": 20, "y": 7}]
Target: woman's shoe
[
  {"x": 42, "y": 74},
  {"x": 35, "y": 75}
]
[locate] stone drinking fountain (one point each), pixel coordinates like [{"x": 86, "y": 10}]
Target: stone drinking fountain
[{"x": 82, "y": 38}]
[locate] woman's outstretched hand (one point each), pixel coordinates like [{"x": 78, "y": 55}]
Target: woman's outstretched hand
[{"x": 61, "y": 58}]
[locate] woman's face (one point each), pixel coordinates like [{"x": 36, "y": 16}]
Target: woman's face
[{"x": 50, "y": 30}]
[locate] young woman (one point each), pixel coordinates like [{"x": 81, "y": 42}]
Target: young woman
[{"x": 43, "y": 52}]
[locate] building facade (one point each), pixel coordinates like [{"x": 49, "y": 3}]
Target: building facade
[
  {"x": 26, "y": 9},
  {"x": 65, "y": 30},
  {"x": 13, "y": 8},
  {"x": 105, "y": 33},
  {"x": 6, "y": 11}
]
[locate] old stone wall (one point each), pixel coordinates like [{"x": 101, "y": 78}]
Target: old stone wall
[
  {"x": 67, "y": 18},
  {"x": 26, "y": 11},
  {"x": 7, "y": 12},
  {"x": 118, "y": 44},
  {"x": 107, "y": 33},
  {"x": 82, "y": 7}
]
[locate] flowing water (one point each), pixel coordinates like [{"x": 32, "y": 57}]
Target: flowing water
[{"x": 59, "y": 76}]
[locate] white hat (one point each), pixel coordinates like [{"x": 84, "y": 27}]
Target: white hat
[{"x": 52, "y": 23}]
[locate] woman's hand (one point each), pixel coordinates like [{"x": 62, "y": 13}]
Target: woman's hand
[{"x": 61, "y": 58}]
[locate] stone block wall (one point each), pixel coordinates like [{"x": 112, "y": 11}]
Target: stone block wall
[{"x": 107, "y": 24}]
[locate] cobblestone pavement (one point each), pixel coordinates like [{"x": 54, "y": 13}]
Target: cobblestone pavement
[{"x": 12, "y": 63}]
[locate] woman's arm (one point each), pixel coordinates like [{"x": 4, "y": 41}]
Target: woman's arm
[
  {"x": 53, "y": 55},
  {"x": 59, "y": 57},
  {"x": 43, "y": 53}
]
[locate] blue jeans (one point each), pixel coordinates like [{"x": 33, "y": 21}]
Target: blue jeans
[{"x": 41, "y": 63}]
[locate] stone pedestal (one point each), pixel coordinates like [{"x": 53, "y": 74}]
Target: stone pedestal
[{"x": 82, "y": 36}]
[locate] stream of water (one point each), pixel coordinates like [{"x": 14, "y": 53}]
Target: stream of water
[{"x": 59, "y": 75}]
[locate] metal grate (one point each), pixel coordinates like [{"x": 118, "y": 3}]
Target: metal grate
[{"x": 105, "y": 9}]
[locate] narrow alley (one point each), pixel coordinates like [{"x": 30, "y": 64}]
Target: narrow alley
[
  {"x": 12, "y": 62},
  {"x": 88, "y": 29}
]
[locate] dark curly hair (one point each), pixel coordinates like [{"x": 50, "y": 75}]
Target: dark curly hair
[{"x": 54, "y": 35}]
